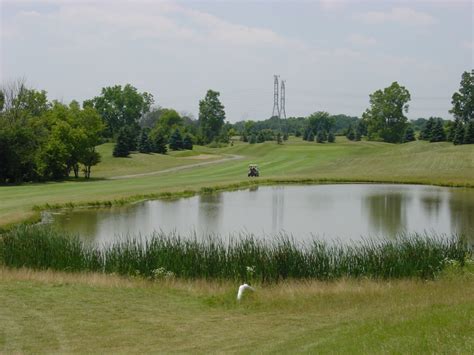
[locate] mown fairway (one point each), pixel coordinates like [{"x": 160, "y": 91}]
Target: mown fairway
[
  {"x": 417, "y": 162},
  {"x": 51, "y": 312}
]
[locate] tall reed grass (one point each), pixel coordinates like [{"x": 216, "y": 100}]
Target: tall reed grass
[{"x": 245, "y": 258}]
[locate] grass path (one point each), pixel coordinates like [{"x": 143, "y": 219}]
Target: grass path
[{"x": 229, "y": 157}]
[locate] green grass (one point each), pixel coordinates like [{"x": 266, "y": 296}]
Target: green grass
[
  {"x": 46, "y": 312},
  {"x": 296, "y": 160},
  {"x": 245, "y": 259}
]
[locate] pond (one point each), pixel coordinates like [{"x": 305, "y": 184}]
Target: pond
[{"x": 340, "y": 212}]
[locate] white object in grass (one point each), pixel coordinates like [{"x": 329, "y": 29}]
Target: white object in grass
[{"x": 242, "y": 288}]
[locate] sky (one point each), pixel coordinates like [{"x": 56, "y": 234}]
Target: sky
[{"x": 332, "y": 54}]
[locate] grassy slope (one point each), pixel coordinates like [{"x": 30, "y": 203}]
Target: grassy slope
[
  {"x": 53, "y": 312},
  {"x": 421, "y": 162}
]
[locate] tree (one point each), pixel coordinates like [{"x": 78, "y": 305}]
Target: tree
[
  {"x": 211, "y": 116},
  {"x": 469, "y": 134},
  {"x": 427, "y": 129},
  {"x": 321, "y": 137},
  {"x": 310, "y": 137},
  {"x": 144, "y": 143},
  {"x": 463, "y": 100},
  {"x": 409, "y": 134},
  {"x": 121, "y": 147},
  {"x": 89, "y": 159},
  {"x": 159, "y": 145},
  {"x": 253, "y": 139},
  {"x": 331, "y": 137},
  {"x": 121, "y": 107},
  {"x": 260, "y": 137},
  {"x": 437, "y": 131},
  {"x": 350, "y": 133},
  {"x": 279, "y": 139},
  {"x": 188, "y": 142},
  {"x": 2, "y": 100},
  {"x": 176, "y": 140},
  {"x": 385, "y": 118},
  {"x": 459, "y": 134}
]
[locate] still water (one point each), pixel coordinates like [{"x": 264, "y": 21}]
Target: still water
[{"x": 332, "y": 212}]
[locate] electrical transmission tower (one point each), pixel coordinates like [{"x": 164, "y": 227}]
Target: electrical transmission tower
[
  {"x": 282, "y": 102},
  {"x": 276, "y": 109}
]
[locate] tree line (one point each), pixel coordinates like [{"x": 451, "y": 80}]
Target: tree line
[{"x": 43, "y": 140}]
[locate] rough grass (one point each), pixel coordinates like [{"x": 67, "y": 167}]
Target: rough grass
[
  {"x": 294, "y": 161},
  {"x": 245, "y": 259},
  {"x": 50, "y": 312}
]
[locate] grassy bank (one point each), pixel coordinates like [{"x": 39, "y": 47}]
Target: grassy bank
[
  {"x": 344, "y": 161},
  {"x": 242, "y": 259},
  {"x": 51, "y": 312}
]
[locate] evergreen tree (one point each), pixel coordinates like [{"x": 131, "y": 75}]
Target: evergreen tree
[
  {"x": 285, "y": 136},
  {"x": 260, "y": 137},
  {"x": 144, "y": 143},
  {"x": 350, "y": 133},
  {"x": 279, "y": 139},
  {"x": 409, "y": 134},
  {"x": 188, "y": 142},
  {"x": 253, "y": 138},
  {"x": 310, "y": 137},
  {"x": 320, "y": 137},
  {"x": 331, "y": 137},
  {"x": 121, "y": 147},
  {"x": 160, "y": 144},
  {"x": 427, "y": 130},
  {"x": 450, "y": 129},
  {"x": 469, "y": 134},
  {"x": 437, "y": 131},
  {"x": 176, "y": 140},
  {"x": 459, "y": 134}
]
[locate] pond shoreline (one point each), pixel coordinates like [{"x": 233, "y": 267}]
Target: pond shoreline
[{"x": 37, "y": 210}]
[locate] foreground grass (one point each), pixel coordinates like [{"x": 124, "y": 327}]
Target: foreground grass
[
  {"x": 416, "y": 162},
  {"x": 56, "y": 312}
]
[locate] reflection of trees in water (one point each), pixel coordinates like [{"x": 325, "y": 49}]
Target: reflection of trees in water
[
  {"x": 387, "y": 213},
  {"x": 278, "y": 205},
  {"x": 210, "y": 208},
  {"x": 461, "y": 204},
  {"x": 432, "y": 204}
]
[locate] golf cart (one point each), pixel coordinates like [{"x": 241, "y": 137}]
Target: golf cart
[{"x": 253, "y": 171}]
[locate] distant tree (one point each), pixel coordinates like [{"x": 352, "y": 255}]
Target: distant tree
[
  {"x": 285, "y": 136},
  {"x": 385, "y": 118},
  {"x": 463, "y": 109},
  {"x": 253, "y": 139},
  {"x": 159, "y": 145},
  {"x": 279, "y": 139},
  {"x": 321, "y": 137},
  {"x": 121, "y": 106},
  {"x": 427, "y": 129},
  {"x": 450, "y": 128},
  {"x": 298, "y": 133},
  {"x": 144, "y": 143},
  {"x": 89, "y": 159},
  {"x": 409, "y": 134},
  {"x": 260, "y": 137},
  {"x": 331, "y": 137},
  {"x": 469, "y": 134},
  {"x": 350, "y": 133},
  {"x": 463, "y": 100},
  {"x": 2, "y": 100},
  {"x": 176, "y": 140},
  {"x": 121, "y": 148},
  {"x": 437, "y": 131},
  {"x": 459, "y": 134},
  {"x": 211, "y": 116},
  {"x": 188, "y": 142}
]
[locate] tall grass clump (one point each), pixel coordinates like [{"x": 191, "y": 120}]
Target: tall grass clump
[{"x": 245, "y": 258}]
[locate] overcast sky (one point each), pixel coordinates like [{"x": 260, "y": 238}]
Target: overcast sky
[{"x": 331, "y": 53}]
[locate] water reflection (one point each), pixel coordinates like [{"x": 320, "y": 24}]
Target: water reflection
[
  {"x": 345, "y": 212},
  {"x": 387, "y": 213}
]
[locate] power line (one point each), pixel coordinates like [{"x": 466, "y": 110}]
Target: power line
[{"x": 276, "y": 109}]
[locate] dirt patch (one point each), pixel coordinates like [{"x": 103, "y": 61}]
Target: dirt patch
[{"x": 202, "y": 157}]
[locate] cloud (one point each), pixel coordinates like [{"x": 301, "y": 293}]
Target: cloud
[
  {"x": 400, "y": 15},
  {"x": 361, "y": 40},
  {"x": 332, "y": 4}
]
